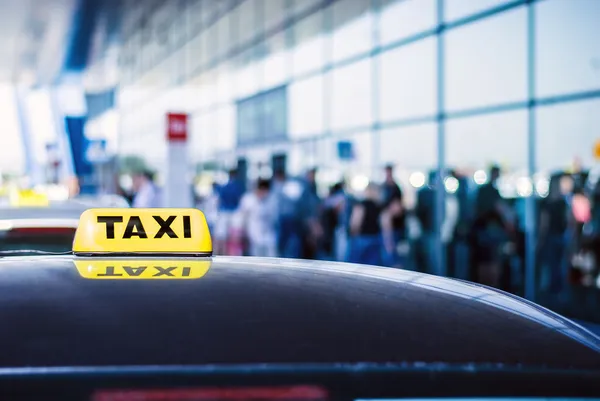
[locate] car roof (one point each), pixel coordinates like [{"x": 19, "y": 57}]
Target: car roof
[
  {"x": 261, "y": 310},
  {"x": 58, "y": 211}
]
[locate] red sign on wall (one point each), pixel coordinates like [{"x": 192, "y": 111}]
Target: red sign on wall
[{"x": 177, "y": 127}]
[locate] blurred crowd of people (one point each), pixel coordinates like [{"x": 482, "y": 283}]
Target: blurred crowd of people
[{"x": 481, "y": 233}]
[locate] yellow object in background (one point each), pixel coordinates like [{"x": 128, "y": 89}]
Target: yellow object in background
[
  {"x": 143, "y": 231},
  {"x": 28, "y": 197},
  {"x": 597, "y": 150}
]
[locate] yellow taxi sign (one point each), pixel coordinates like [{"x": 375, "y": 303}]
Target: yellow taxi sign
[
  {"x": 142, "y": 269},
  {"x": 147, "y": 231}
]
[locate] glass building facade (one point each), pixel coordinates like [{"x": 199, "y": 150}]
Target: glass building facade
[{"x": 465, "y": 83}]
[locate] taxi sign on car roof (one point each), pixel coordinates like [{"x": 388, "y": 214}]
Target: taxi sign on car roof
[{"x": 142, "y": 231}]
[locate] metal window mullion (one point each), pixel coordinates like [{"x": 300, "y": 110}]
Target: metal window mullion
[
  {"x": 530, "y": 201},
  {"x": 441, "y": 143},
  {"x": 375, "y": 85},
  {"x": 327, "y": 23}
]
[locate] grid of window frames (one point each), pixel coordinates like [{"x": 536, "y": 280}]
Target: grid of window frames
[{"x": 397, "y": 78}]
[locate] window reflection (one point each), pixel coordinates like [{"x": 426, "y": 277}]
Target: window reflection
[
  {"x": 352, "y": 28},
  {"x": 499, "y": 138},
  {"x": 247, "y": 74},
  {"x": 225, "y": 121},
  {"x": 413, "y": 150},
  {"x": 408, "y": 81},
  {"x": 247, "y": 23},
  {"x": 309, "y": 49},
  {"x": 456, "y": 9},
  {"x": 275, "y": 61},
  {"x": 351, "y": 95},
  {"x": 225, "y": 41},
  {"x": 567, "y": 47},
  {"x": 400, "y": 19},
  {"x": 274, "y": 13},
  {"x": 299, "y": 6},
  {"x": 565, "y": 132},
  {"x": 486, "y": 62},
  {"x": 306, "y": 107}
]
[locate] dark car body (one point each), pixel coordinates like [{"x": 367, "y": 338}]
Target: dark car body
[{"x": 365, "y": 331}]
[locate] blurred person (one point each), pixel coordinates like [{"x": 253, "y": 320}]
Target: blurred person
[
  {"x": 365, "y": 228},
  {"x": 258, "y": 213},
  {"x": 390, "y": 189},
  {"x": 554, "y": 234},
  {"x": 427, "y": 254},
  {"x": 393, "y": 225},
  {"x": 330, "y": 219},
  {"x": 491, "y": 231},
  {"x": 425, "y": 213},
  {"x": 72, "y": 184},
  {"x": 581, "y": 213},
  {"x": 343, "y": 203},
  {"x": 287, "y": 193},
  {"x": 229, "y": 196},
  {"x": 209, "y": 204},
  {"x": 146, "y": 193},
  {"x": 458, "y": 249},
  {"x": 309, "y": 209}
]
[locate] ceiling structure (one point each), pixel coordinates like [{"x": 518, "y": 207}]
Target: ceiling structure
[
  {"x": 34, "y": 38},
  {"x": 42, "y": 39}
]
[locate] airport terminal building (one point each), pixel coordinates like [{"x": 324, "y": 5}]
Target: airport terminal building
[{"x": 350, "y": 85}]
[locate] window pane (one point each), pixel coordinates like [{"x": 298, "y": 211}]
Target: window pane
[
  {"x": 456, "y": 9},
  {"x": 275, "y": 63},
  {"x": 351, "y": 100},
  {"x": 567, "y": 48},
  {"x": 352, "y": 28},
  {"x": 12, "y": 153},
  {"x": 413, "y": 150},
  {"x": 302, "y": 5},
  {"x": 198, "y": 52},
  {"x": 567, "y": 131},
  {"x": 212, "y": 44},
  {"x": 243, "y": 17},
  {"x": 477, "y": 142},
  {"x": 331, "y": 165},
  {"x": 247, "y": 74},
  {"x": 203, "y": 134},
  {"x": 207, "y": 89},
  {"x": 225, "y": 41},
  {"x": 486, "y": 62},
  {"x": 408, "y": 81},
  {"x": 400, "y": 19},
  {"x": 274, "y": 12},
  {"x": 309, "y": 44},
  {"x": 224, "y": 83},
  {"x": 263, "y": 117},
  {"x": 225, "y": 128},
  {"x": 413, "y": 147},
  {"x": 306, "y": 107}
]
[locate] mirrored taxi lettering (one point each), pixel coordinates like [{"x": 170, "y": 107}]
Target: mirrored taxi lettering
[
  {"x": 113, "y": 271},
  {"x": 148, "y": 269},
  {"x": 135, "y": 227}
]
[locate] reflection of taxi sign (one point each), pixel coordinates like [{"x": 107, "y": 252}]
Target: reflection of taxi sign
[
  {"x": 145, "y": 231},
  {"x": 144, "y": 269},
  {"x": 28, "y": 198}
]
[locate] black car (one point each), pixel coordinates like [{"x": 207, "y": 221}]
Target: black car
[
  {"x": 352, "y": 331},
  {"x": 112, "y": 322}
]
